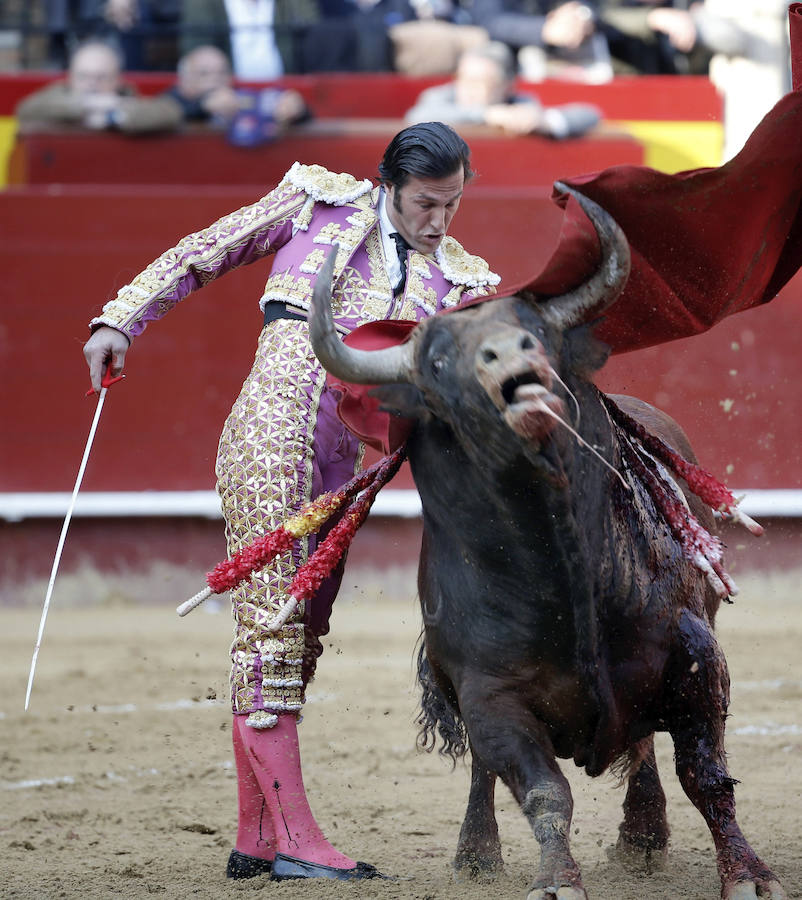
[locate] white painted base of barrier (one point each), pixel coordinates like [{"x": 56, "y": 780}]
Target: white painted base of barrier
[
  {"x": 181, "y": 504},
  {"x": 206, "y": 504}
]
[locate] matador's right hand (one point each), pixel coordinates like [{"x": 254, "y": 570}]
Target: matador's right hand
[{"x": 107, "y": 346}]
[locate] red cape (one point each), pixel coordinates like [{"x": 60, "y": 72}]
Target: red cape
[{"x": 705, "y": 244}]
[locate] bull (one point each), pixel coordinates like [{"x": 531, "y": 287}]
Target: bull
[{"x": 561, "y": 618}]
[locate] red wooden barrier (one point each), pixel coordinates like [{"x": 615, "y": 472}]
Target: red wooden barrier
[
  {"x": 203, "y": 158},
  {"x": 65, "y": 250}
]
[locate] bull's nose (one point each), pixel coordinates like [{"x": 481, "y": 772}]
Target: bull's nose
[{"x": 504, "y": 345}]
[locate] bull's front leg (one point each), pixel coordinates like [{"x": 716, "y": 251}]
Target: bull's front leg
[
  {"x": 700, "y": 693},
  {"x": 479, "y": 848},
  {"x": 523, "y": 757}
]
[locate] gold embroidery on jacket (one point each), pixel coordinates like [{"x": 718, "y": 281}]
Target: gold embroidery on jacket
[
  {"x": 379, "y": 283},
  {"x": 202, "y": 252},
  {"x": 334, "y": 188},
  {"x": 424, "y": 296},
  {"x": 461, "y": 267},
  {"x": 314, "y": 260}
]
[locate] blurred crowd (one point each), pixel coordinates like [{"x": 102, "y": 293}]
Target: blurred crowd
[
  {"x": 583, "y": 39},
  {"x": 741, "y": 44}
]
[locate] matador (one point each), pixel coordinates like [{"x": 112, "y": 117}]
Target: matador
[{"x": 283, "y": 443}]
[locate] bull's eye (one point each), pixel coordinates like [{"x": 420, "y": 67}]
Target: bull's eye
[
  {"x": 437, "y": 365},
  {"x": 527, "y": 343},
  {"x": 488, "y": 356}
]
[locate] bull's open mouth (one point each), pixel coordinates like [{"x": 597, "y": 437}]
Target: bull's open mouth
[
  {"x": 509, "y": 388},
  {"x": 532, "y": 409}
]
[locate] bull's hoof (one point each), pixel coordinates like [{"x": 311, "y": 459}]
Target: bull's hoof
[
  {"x": 566, "y": 892},
  {"x": 634, "y": 857},
  {"x": 752, "y": 890},
  {"x": 472, "y": 866}
]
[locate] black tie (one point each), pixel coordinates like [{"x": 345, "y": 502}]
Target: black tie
[{"x": 403, "y": 248}]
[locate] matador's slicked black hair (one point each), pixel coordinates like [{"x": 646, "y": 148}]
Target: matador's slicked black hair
[{"x": 425, "y": 150}]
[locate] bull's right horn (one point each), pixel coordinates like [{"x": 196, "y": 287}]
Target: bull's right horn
[
  {"x": 603, "y": 288},
  {"x": 390, "y": 365}
]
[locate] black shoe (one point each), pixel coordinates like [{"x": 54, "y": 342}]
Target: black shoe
[
  {"x": 288, "y": 867},
  {"x": 240, "y": 865}
]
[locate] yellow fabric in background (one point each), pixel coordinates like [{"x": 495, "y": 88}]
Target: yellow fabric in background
[
  {"x": 676, "y": 146},
  {"x": 8, "y": 128}
]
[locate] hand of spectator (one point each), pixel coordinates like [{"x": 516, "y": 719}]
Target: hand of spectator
[
  {"x": 676, "y": 24},
  {"x": 568, "y": 25},
  {"x": 223, "y": 103},
  {"x": 515, "y": 118},
  {"x": 123, "y": 14},
  {"x": 98, "y": 109},
  {"x": 290, "y": 107}
]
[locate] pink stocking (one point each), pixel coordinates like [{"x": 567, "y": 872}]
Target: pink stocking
[
  {"x": 255, "y": 827},
  {"x": 275, "y": 760}
]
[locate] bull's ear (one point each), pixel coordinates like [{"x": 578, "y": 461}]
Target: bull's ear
[
  {"x": 400, "y": 400},
  {"x": 586, "y": 353}
]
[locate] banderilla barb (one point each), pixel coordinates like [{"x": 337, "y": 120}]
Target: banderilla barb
[{"x": 360, "y": 490}]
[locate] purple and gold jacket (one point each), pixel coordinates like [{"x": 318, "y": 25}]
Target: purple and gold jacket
[{"x": 310, "y": 210}]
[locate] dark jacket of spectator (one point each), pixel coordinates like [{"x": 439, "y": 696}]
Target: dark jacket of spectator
[{"x": 207, "y": 22}]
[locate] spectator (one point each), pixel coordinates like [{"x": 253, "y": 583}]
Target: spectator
[
  {"x": 432, "y": 38},
  {"x": 206, "y": 93},
  {"x": 750, "y": 63},
  {"x": 263, "y": 38},
  {"x": 553, "y": 38},
  {"x": 541, "y": 23},
  {"x": 353, "y": 35},
  {"x": 652, "y": 37},
  {"x": 414, "y": 37},
  {"x": 483, "y": 92},
  {"x": 144, "y": 30},
  {"x": 742, "y": 44},
  {"x": 95, "y": 96}
]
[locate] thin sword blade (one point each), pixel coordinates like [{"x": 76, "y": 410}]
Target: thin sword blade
[{"x": 64, "y": 527}]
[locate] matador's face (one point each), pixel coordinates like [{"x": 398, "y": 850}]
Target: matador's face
[{"x": 423, "y": 208}]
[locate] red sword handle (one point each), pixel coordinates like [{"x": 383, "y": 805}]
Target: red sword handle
[{"x": 107, "y": 381}]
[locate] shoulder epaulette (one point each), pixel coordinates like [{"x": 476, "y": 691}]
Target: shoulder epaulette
[
  {"x": 461, "y": 267},
  {"x": 334, "y": 188}
]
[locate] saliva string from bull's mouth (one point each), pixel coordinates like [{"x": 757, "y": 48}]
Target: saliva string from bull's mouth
[{"x": 572, "y": 429}]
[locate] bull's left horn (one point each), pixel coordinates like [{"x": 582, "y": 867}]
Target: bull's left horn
[
  {"x": 603, "y": 288},
  {"x": 390, "y": 365}
]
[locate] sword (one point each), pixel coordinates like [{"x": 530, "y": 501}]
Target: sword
[{"x": 106, "y": 383}]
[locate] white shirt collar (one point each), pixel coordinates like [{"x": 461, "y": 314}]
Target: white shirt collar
[{"x": 386, "y": 228}]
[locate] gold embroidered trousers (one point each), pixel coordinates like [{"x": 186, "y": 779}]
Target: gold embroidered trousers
[{"x": 281, "y": 446}]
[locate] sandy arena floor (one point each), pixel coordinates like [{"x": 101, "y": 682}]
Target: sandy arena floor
[{"x": 119, "y": 780}]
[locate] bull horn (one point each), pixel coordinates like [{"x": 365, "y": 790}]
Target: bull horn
[
  {"x": 390, "y": 365},
  {"x": 603, "y": 288}
]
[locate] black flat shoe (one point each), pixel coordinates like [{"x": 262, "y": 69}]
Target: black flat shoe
[
  {"x": 288, "y": 867},
  {"x": 240, "y": 865}
]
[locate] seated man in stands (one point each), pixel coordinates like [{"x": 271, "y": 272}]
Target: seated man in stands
[
  {"x": 206, "y": 93},
  {"x": 483, "y": 93},
  {"x": 95, "y": 96}
]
